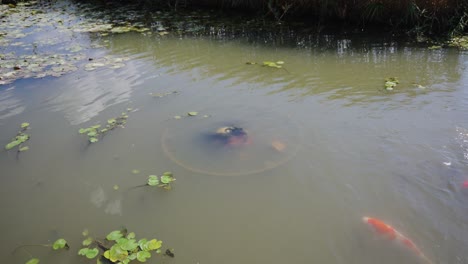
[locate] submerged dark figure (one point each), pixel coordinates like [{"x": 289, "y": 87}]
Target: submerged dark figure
[{"x": 229, "y": 136}]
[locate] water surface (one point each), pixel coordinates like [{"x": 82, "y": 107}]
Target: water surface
[{"x": 353, "y": 149}]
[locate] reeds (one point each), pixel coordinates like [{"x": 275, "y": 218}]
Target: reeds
[{"x": 427, "y": 16}]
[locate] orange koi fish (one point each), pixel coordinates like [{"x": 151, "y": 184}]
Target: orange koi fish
[{"x": 391, "y": 233}]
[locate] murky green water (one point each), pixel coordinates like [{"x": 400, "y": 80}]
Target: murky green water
[{"x": 347, "y": 148}]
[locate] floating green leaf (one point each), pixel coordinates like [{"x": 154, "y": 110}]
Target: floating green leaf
[
  {"x": 143, "y": 255},
  {"x": 90, "y": 253},
  {"x": 23, "y": 148},
  {"x": 116, "y": 187},
  {"x": 114, "y": 235},
  {"x": 150, "y": 245},
  {"x": 131, "y": 235},
  {"x": 272, "y": 64},
  {"x": 12, "y": 144},
  {"x": 153, "y": 180},
  {"x": 116, "y": 254},
  {"x": 167, "y": 179},
  {"x": 59, "y": 244},
  {"x": 192, "y": 113},
  {"x": 85, "y": 232},
  {"x": 33, "y": 261},
  {"x": 87, "y": 241},
  {"x": 93, "y": 139},
  {"x": 135, "y": 171},
  {"x": 127, "y": 244},
  {"x": 111, "y": 121},
  {"x": 24, "y": 125}
]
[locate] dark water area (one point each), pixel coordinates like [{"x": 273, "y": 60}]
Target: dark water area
[{"x": 327, "y": 144}]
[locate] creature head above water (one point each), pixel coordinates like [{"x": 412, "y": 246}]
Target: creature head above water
[{"x": 231, "y": 136}]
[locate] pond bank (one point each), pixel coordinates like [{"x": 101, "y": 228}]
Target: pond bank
[{"x": 414, "y": 17}]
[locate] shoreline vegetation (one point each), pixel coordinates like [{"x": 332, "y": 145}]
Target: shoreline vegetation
[
  {"x": 441, "y": 22},
  {"x": 424, "y": 19}
]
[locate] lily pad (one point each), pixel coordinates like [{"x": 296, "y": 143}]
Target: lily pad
[
  {"x": 87, "y": 241},
  {"x": 59, "y": 244},
  {"x": 24, "y": 125},
  {"x": 143, "y": 255},
  {"x": 167, "y": 179},
  {"x": 33, "y": 261},
  {"x": 90, "y": 253},
  {"x": 153, "y": 180},
  {"x": 12, "y": 144},
  {"x": 23, "y": 148},
  {"x": 192, "y": 113},
  {"x": 114, "y": 235}
]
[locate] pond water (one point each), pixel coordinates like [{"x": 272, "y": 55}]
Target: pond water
[{"x": 328, "y": 144}]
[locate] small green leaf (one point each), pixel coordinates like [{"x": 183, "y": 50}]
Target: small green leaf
[
  {"x": 83, "y": 130},
  {"x": 59, "y": 244},
  {"x": 33, "y": 261},
  {"x": 104, "y": 130},
  {"x": 152, "y": 245},
  {"x": 24, "y": 125},
  {"x": 111, "y": 121},
  {"x": 85, "y": 232},
  {"x": 93, "y": 139},
  {"x": 12, "y": 144},
  {"x": 153, "y": 180},
  {"x": 116, "y": 187},
  {"x": 23, "y": 148},
  {"x": 167, "y": 178},
  {"x": 92, "y": 133},
  {"x": 114, "y": 235},
  {"x": 280, "y": 62},
  {"x": 131, "y": 235},
  {"x": 143, "y": 255},
  {"x": 135, "y": 171},
  {"x": 177, "y": 117},
  {"x": 90, "y": 253},
  {"x": 192, "y": 113},
  {"x": 87, "y": 241},
  {"x": 22, "y": 137},
  {"x": 127, "y": 244},
  {"x": 95, "y": 126}
]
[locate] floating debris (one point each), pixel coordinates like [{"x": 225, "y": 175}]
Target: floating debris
[
  {"x": 94, "y": 132},
  {"x": 391, "y": 83},
  {"x": 19, "y": 139}
]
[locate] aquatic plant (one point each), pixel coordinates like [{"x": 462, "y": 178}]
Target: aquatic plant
[
  {"x": 119, "y": 246},
  {"x": 164, "y": 181},
  {"x": 95, "y": 132},
  {"x": 19, "y": 139},
  {"x": 390, "y": 83},
  {"x": 57, "y": 245}
]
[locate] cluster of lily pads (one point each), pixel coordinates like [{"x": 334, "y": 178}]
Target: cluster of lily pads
[
  {"x": 19, "y": 139},
  {"x": 57, "y": 245},
  {"x": 391, "y": 83},
  {"x": 460, "y": 42},
  {"x": 271, "y": 64},
  {"x": 119, "y": 247},
  {"x": 46, "y": 24},
  {"x": 164, "y": 181},
  {"x": 95, "y": 132}
]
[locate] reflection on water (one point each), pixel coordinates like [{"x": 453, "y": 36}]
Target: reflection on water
[{"x": 351, "y": 148}]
